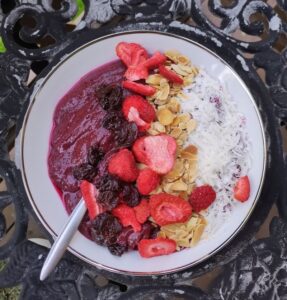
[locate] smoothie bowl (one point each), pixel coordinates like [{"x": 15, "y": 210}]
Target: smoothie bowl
[{"x": 162, "y": 140}]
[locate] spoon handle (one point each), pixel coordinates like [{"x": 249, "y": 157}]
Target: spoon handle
[{"x": 62, "y": 241}]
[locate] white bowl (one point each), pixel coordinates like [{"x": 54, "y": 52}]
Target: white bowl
[{"x": 35, "y": 144}]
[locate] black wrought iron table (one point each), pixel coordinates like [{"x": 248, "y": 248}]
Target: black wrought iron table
[{"x": 35, "y": 34}]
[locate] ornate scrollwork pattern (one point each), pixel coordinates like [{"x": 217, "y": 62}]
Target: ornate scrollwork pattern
[{"x": 37, "y": 33}]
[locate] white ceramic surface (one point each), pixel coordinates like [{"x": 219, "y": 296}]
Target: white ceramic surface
[{"x": 35, "y": 144}]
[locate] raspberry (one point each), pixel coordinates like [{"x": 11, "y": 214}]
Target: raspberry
[{"x": 202, "y": 197}]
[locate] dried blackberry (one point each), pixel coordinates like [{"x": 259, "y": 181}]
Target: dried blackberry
[
  {"x": 95, "y": 154},
  {"x": 126, "y": 134},
  {"x": 105, "y": 229},
  {"x": 110, "y": 96},
  {"x": 85, "y": 172},
  {"x": 117, "y": 249},
  {"x": 113, "y": 121},
  {"x": 108, "y": 183},
  {"x": 130, "y": 195},
  {"x": 108, "y": 199},
  {"x": 135, "y": 237}
]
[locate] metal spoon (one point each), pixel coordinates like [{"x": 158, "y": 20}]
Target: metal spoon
[{"x": 62, "y": 241}]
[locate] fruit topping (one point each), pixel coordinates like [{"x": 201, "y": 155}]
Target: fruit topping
[
  {"x": 202, "y": 197},
  {"x": 170, "y": 75},
  {"x": 122, "y": 164},
  {"x": 134, "y": 73},
  {"x": 145, "y": 109},
  {"x": 108, "y": 199},
  {"x": 95, "y": 154},
  {"x": 147, "y": 181},
  {"x": 139, "y": 88},
  {"x": 85, "y": 172},
  {"x": 129, "y": 239},
  {"x": 125, "y": 133},
  {"x": 127, "y": 216},
  {"x": 130, "y": 195},
  {"x": 131, "y": 54},
  {"x": 155, "y": 247},
  {"x": 108, "y": 183},
  {"x": 142, "y": 211},
  {"x": 157, "y": 152},
  {"x": 154, "y": 61},
  {"x": 89, "y": 193},
  {"x": 117, "y": 249},
  {"x": 241, "y": 190},
  {"x": 168, "y": 209},
  {"x": 105, "y": 229},
  {"x": 137, "y": 109},
  {"x": 110, "y": 96}
]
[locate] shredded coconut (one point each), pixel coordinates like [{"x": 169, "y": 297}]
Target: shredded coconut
[{"x": 222, "y": 142}]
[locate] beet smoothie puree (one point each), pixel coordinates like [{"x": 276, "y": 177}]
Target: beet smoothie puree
[{"x": 77, "y": 126}]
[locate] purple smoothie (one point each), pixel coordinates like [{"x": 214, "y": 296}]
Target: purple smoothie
[{"x": 77, "y": 125}]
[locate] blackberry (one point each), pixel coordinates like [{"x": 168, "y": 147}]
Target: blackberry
[
  {"x": 126, "y": 134},
  {"x": 85, "y": 172},
  {"x": 108, "y": 199},
  {"x": 117, "y": 249},
  {"x": 105, "y": 229},
  {"x": 108, "y": 183},
  {"x": 95, "y": 154},
  {"x": 110, "y": 96},
  {"x": 130, "y": 195},
  {"x": 113, "y": 121}
]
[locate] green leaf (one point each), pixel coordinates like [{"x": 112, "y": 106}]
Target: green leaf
[
  {"x": 81, "y": 8},
  {"x": 2, "y": 46}
]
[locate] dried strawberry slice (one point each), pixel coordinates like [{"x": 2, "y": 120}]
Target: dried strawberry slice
[
  {"x": 157, "y": 152},
  {"x": 122, "y": 164},
  {"x": 170, "y": 75},
  {"x": 127, "y": 216},
  {"x": 147, "y": 181},
  {"x": 168, "y": 209},
  {"x": 242, "y": 189},
  {"x": 131, "y": 54},
  {"x": 139, "y": 88},
  {"x": 136, "y": 109},
  {"x": 154, "y": 61},
  {"x": 89, "y": 194},
  {"x": 142, "y": 211},
  {"x": 155, "y": 247}
]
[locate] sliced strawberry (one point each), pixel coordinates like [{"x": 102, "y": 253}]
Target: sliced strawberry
[
  {"x": 137, "y": 109},
  {"x": 134, "y": 73},
  {"x": 241, "y": 190},
  {"x": 89, "y": 193},
  {"x": 170, "y": 75},
  {"x": 155, "y": 247},
  {"x": 127, "y": 216},
  {"x": 131, "y": 54},
  {"x": 202, "y": 197},
  {"x": 157, "y": 152},
  {"x": 147, "y": 181},
  {"x": 168, "y": 209},
  {"x": 139, "y": 88},
  {"x": 134, "y": 116},
  {"x": 142, "y": 211},
  {"x": 123, "y": 165},
  {"x": 154, "y": 61}
]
